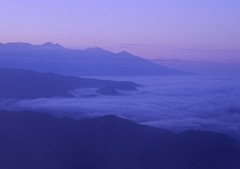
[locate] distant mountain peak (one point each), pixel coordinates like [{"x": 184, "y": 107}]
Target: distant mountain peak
[
  {"x": 50, "y": 44},
  {"x": 124, "y": 53},
  {"x": 17, "y": 44},
  {"x": 96, "y": 50}
]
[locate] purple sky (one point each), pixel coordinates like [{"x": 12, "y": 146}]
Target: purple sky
[{"x": 186, "y": 29}]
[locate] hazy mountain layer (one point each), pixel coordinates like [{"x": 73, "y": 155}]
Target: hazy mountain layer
[{"x": 24, "y": 84}]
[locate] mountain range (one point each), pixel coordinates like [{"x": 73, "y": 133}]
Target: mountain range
[
  {"x": 40, "y": 141},
  {"x": 55, "y": 58}
]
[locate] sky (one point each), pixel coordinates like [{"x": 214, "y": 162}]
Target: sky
[{"x": 186, "y": 29}]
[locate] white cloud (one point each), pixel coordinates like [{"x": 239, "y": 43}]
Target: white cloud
[{"x": 173, "y": 102}]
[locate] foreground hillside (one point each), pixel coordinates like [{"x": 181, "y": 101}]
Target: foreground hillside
[{"x": 40, "y": 141}]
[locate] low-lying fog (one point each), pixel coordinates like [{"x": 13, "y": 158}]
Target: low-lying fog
[{"x": 173, "y": 102}]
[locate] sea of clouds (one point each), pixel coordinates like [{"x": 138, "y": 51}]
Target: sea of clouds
[{"x": 173, "y": 102}]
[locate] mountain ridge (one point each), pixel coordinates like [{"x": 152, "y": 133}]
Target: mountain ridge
[{"x": 95, "y": 61}]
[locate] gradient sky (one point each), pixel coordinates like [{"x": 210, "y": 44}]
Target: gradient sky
[{"x": 169, "y": 29}]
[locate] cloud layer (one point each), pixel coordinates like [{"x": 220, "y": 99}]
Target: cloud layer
[{"x": 173, "y": 102}]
